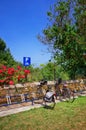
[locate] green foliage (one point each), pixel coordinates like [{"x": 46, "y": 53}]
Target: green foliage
[
  {"x": 2, "y": 45},
  {"x": 36, "y": 74},
  {"x": 65, "y": 33},
  {"x": 72, "y": 53},
  {"x": 5, "y": 55},
  {"x": 51, "y": 71},
  {"x": 47, "y": 71},
  {"x": 80, "y": 17}
]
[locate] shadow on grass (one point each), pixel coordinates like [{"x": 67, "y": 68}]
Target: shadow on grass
[
  {"x": 49, "y": 107},
  {"x": 71, "y": 101}
]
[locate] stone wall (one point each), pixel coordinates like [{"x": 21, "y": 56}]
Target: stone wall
[{"x": 24, "y": 92}]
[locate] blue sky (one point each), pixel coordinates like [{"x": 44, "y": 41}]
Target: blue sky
[{"x": 20, "y": 23}]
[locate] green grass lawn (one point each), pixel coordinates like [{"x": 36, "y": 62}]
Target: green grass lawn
[{"x": 65, "y": 116}]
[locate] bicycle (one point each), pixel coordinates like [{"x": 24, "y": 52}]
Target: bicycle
[
  {"x": 65, "y": 93},
  {"x": 48, "y": 95}
]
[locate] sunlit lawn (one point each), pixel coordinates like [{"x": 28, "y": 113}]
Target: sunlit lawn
[{"x": 65, "y": 116}]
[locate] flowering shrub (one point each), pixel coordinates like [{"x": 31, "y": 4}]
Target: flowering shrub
[{"x": 10, "y": 76}]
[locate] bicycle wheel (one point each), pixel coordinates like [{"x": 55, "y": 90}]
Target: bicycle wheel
[{"x": 69, "y": 95}]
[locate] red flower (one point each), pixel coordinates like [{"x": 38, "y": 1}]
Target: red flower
[
  {"x": 11, "y": 71},
  {"x": 11, "y": 82},
  {"x": 1, "y": 81},
  {"x": 21, "y": 77},
  {"x": 4, "y": 67},
  {"x": 26, "y": 71},
  {"x": 1, "y": 71},
  {"x": 9, "y": 75},
  {"x": 19, "y": 68}
]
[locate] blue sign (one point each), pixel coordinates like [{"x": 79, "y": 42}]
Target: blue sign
[{"x": 26, "y": 61}]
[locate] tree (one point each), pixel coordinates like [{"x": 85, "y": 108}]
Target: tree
[
  {"x": 2, "y": 45},
  {"x": 80, "y": 22},
  {"x": 72, "y": 56},
  {"x": 47, "y": 71},
  {"x": 80, "y": 19},
  {"x": 58, "y": 17},
  {"x": 62, "y": 35},
  {"x": 5, "y": 55},
  {"x": 52, "y": 71}
]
